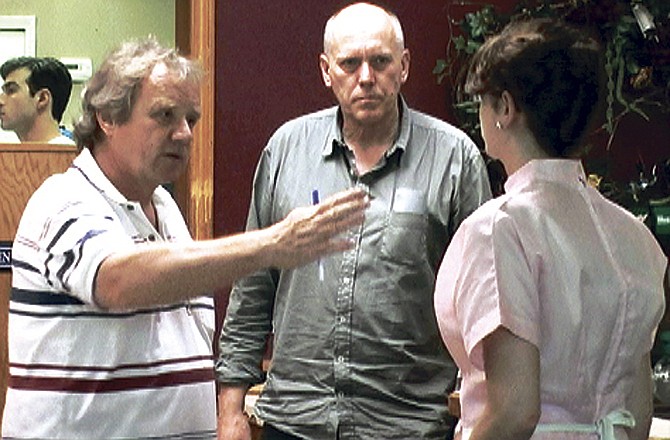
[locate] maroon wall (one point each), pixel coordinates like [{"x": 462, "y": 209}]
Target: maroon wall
[{"x": 267, "y": 72}]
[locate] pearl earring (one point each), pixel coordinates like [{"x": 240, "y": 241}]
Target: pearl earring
[{"x": 498, "y": 125}]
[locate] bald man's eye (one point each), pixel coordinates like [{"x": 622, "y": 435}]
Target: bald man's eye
[
  {"x": 350, "y": 64},
  {"x": 380, "y": 62}
]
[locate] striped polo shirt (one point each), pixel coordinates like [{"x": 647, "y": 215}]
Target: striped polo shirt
[{"x": 79, "y": 371}]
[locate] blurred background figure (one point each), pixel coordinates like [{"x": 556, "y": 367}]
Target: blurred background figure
[{"x": 34, "y": 95}]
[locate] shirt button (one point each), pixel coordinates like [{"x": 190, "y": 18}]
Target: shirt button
[
  {"x": 130, "y": 207},
  {"x": 152, "y": 237},
  {"x": 340, "y": 359},
  {"x": 343, "y": 319}
]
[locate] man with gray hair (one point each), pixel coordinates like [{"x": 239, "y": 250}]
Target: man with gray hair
[
  {"x": 110, "y": 324},
  {"x": 356, "y": 350}
]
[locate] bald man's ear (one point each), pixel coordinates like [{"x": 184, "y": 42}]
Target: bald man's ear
[
  {"x": 324, "y": 65},
  {"x": 404, "y": 62}
]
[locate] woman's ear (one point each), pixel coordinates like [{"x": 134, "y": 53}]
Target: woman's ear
[{"x": 507, "y": 110}]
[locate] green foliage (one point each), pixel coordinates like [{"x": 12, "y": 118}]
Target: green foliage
[{"x": 637, "y": 65}]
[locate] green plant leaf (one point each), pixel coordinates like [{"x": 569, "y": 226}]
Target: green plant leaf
[
  {"x": 440, "y": 66},
  {"x": 459, "y": 43}
]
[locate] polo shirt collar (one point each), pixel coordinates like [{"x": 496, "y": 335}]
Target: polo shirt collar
[{"x": 86, "y": 163}]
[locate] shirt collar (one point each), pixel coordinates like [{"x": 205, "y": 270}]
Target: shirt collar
[
  {"x": 335, "y": 137},
  {"x": 552, "y": 170},
  {"x": 87, "y": 164}
]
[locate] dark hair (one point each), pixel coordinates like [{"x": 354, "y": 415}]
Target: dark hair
[
  {"x": 553, "y": 71},
  {"x": 45, "y": 73},
  {"x": 113, "y": 89}
]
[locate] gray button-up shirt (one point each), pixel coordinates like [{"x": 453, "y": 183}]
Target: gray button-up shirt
[{"x": 357, "y": 352}]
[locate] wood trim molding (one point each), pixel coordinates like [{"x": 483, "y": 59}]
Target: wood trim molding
[
  {"x": 37, "y": 147},
  {"x": 194, "y": 192}
]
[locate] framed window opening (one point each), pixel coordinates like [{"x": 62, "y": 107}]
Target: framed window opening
[{"x": 17, "y": 36}]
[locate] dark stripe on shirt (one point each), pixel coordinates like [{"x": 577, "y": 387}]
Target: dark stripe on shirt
[
  {"x": 55, "y": 299},
  {"x": 69, "y": 255},
  {"x": 67, "y": 263},
  {"x": 99, "y": 386},
  {"x": 17, "y": 264},
  {"x": 53, "y": 367},
  {"x": 60, "y": 233},
  {"x": 37, "y": 298}
]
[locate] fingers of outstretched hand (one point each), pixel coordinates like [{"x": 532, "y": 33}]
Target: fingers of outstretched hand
[
  {"x": 353, "y": 196},
  {"x": 310, "y": 232},
  {"x": 342, "y": 210},
  {"x": 323, "y": 247}
]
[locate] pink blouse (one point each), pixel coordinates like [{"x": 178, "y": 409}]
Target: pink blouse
[{"x": 562, "y": 267}]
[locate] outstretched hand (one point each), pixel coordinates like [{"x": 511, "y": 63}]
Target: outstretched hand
[{"x": 310, "y": 232}]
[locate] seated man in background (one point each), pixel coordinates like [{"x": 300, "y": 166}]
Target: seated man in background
[
  {"x": 34, "y": 96},
  {"x": 110, "y": 322}
]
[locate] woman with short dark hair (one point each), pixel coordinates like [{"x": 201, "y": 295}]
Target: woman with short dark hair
[{"x": 549, "y": 296}]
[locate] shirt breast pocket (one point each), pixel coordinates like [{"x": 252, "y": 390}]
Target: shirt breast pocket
[{"x": 404, "y": 239}]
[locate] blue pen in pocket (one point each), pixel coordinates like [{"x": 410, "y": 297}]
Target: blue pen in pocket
[{"x": 315, "y": 201}]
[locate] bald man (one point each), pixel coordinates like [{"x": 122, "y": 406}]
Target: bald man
[{"x": 356, "y": 350}]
